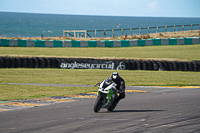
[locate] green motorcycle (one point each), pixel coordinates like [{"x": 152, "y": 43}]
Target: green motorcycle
[{"x": 107, "y": 92}]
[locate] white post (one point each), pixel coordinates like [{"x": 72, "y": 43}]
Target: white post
[
  {"x": 104, "y": 33},
  {"x": 85, "y": 33},
  {"x": 174, "y": 28},
  {"x": 112, "y": 33},
  {"x": 199, "y": 27},
  {"x": 74, "y": 33},
  {"x": 130, "y": 31},
  {"x": 156, "y": 30},
  {"x": 139, "y": 31},
  {"x": 67, "y": 34}
]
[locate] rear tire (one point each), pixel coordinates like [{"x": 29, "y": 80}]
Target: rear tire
[
  {"x": 114, "y": 104},
  {"x": 98, "y": 104},
  {"x": 110, "y": 109}
]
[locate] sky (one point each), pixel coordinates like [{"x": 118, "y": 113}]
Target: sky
[{"x": 145, "y": 8}]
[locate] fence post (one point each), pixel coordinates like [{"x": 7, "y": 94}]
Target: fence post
[
  {"x": 113, "y": 33},
  {"x": 191, "y": 28},
  {"x": 165, "y": 29},
  {"x": 174, "y": 28},
  {"x": 156, "y": 30},
  {"x": 148, "y": 31},
  {"x": 121, "y": 32},
  {"x": 85, "y": 33},
  {"x": 74, "y": 33},
  {"x": 199, "y": 27},
  {"x": 182, "y": 28},
  {"x": 67, "y": 34},
  {"x": 130, "y": 31},
  {"x": 95, "y": 32},
  {"x": 63, "y": 33},
  {"x": 104, "y": 33},
  {"x": 139, "y": 31}
]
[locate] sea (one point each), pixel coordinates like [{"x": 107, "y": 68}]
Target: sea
[{"x": 51, "y": 25}]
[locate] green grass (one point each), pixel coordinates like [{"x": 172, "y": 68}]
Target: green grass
[
  {"x": 91, "y": 77},
  {"x": 20, "y": 92},
  {"x": 80, "y": 76},
  {"x": 178, "y": 52}
]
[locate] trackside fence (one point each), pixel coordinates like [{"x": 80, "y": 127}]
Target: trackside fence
[{"x": 130, "y": 31}]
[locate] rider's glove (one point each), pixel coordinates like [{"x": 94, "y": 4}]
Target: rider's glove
[{"x": 97, "y": 84}]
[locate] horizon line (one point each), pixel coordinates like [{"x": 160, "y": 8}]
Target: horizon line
[{"x": 93, "y": 15}]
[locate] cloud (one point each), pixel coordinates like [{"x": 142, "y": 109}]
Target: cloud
[{"x": 153, "y": 6}]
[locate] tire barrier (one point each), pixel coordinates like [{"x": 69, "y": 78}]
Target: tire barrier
[
  {"x": 42, "y": 62},
  {"x": 97, "y": 43}
]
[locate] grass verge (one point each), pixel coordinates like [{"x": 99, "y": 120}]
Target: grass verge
[
  {"x": 92, "y": 76},
  {"x": 178, "y": 52},
  {"x": 21, "y": 92},
  {"x": 80, "y": 76}
]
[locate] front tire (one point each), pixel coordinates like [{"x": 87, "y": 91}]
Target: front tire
[{"x": 98, "y": 104}]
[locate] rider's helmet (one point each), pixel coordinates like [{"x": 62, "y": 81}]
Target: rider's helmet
[{"x": 115, "y": 77}]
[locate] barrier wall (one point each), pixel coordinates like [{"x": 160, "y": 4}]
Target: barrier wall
[
  {"x": 75, "y": 63},
  {"x": 101, "y": 43}
]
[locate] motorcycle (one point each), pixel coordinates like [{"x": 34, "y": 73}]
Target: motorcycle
[{"x": 107, "y": 93}]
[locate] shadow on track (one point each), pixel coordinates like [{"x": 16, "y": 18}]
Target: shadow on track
[
  {"x": 131, "y": 111},
  {"x": 137, "y": 110}
]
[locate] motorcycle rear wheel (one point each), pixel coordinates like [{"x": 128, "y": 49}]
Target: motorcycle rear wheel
[{"x": 111, "y": 108}]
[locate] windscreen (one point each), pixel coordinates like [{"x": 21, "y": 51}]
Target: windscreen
[{"x": 107, "y": 82}]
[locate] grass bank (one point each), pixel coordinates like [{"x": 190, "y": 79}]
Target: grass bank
[
  {"x": 21, "y": 92},
  {"x": 91, "y": 77},
  {"x": 79, "y": 76},
  {"x": 177, "y": 34},
  {"x": 178, "y": 52}
]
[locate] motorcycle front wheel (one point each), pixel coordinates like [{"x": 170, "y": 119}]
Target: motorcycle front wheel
[{"x": 98, "y": 104}]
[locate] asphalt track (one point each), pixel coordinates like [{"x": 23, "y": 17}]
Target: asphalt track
[{"x": 159, "y": 110}]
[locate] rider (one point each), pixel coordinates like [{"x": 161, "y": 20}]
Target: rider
[{"x": 120, "y": 86}]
